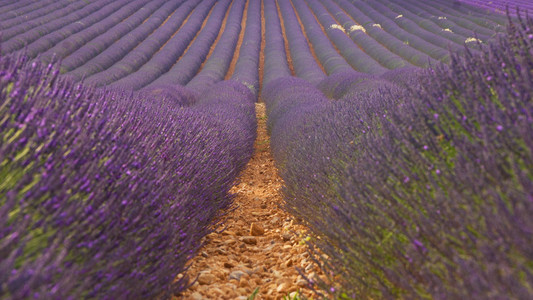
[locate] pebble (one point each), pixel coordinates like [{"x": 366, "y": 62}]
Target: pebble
[
  {"x": 236, "y": 275},
  {"x": 301, "y": 283},
  {"x": 244, "y": 283},
  {"x": 233, "y": 283},
  {"x": 230, "y": 242},
  {"x": 204, "y": 254},
  {"x": 197, "y": 296},
  {"x": 288, "y": 263},
  {"x": 256, "y": 229},
  {"x": 312, "y": 276},
  {"x": 250, "y": 240},
  {"x": 216, "y": 291},
  {"x": 292, "y": 295},
  {"x": 221, "y": 275},
  {"x": 206, "y": 278},
  {"x": 309, "y": 267},
  {"x": 283, "y": 288},
  {"x": 286, "y": 236},
  {"x": 247, "y": 270}
]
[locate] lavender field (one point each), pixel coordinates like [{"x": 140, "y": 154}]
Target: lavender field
[{"x": 403, "y": 131}]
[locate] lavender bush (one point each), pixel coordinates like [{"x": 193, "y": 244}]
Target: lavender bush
[
  {"x": 386, "y": 22},
  {"x": 122, "y": 20},
  {"x": 305, "y": 65},
  {"x": 85, "y": 28},
  {"x": 500, "y": 6},
  {"x": 216, "y": 66},
  {"x": 247, "y": 65},
  {"x": 330, "y": 59},
  {"x": 366, "y": 54},
  {"x": 188, "y": 65},
  {"x": 162, "y": 48},
  {"x": 424, "y": 22},
  {"x": 418, "y": 191},
  {"x": 107, "y": 194},
  {"x": 32, "y": 12},
  {"x": 108, "y": 48},
  {"x": 166, "y": 59},
  {"x": 20, "y": 28},
  {"x": 374, "y": 35},
  {"x": 276, "y": 64},
  {"x": 55, "y": 22}
]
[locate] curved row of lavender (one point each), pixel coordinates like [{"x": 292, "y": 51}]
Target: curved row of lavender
[
  {"x": 216, "y": 66},
  {"x": 417, "y": 183},
  {"x": 500, "y": 6},
  {"x": 107, "y": 194},
  {"x": 125, "y": 55},
  {"x": 247, "y": 66},
  {"x": 164, "y": 66},
  {"x": 305, "y": 65},
  {"x": 121, "y": 22},
  {"x": 327, "y": 55},
  {"x": 141, "y": 43},
  {"x": 276, "y": 63}
]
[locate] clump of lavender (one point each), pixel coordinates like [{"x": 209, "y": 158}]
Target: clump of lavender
[
  {"x": 427, "y": 192},
  {"x": 105, "y": 194}
]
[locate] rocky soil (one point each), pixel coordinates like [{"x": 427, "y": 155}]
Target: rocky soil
[{"x": 261, "y": 246}]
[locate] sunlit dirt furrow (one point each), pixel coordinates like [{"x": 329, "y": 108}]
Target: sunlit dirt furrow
[{"x": 262, "y": 246}]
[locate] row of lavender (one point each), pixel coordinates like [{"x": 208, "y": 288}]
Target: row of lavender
[
  {"x": 500, "y": 6},
  {"x": 107, "y": 194},
  {"x": 146, "y": 43},
  {"x": 335, "y": 36},
  {"x": 415, "y": 190}
]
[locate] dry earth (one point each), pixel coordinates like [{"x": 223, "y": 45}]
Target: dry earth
[{"x": 261, "y": 246}]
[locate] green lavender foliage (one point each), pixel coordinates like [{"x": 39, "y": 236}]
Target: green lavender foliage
[
  {"x": 107, "y": 194},
  {"x": 423, "y": 189}
]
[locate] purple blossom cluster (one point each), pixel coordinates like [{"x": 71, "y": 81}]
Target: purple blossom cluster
[
  {"x": 107, "y": 194},
  {"x": 417, "y": 183}
]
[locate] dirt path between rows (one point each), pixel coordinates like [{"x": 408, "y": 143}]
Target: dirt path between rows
[{"x": 262, "y": 245}]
